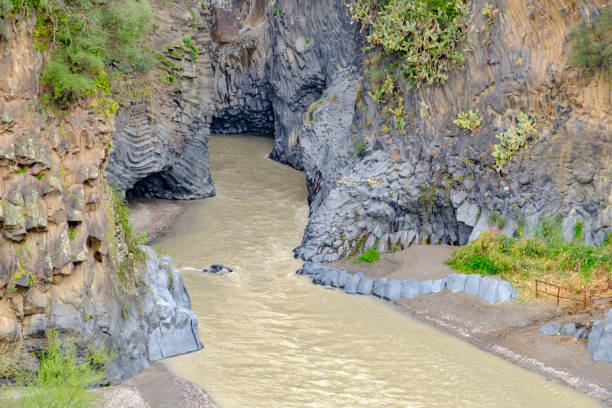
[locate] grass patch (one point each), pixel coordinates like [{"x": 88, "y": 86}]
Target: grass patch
[
  {"x": 546, "y": 256},
  {"x": 62, "y": 380},
  {"x": 369, "y": 256}
]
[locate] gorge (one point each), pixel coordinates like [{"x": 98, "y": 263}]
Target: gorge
[{"x": 298, "y": 77}]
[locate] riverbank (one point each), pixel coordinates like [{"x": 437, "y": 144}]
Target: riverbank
[
  {"x": 156, "y": 387},
  {"x": 153, "y": 216},
  {"x": 509, "y": 330},
  {"x": 502, "y": 329}
]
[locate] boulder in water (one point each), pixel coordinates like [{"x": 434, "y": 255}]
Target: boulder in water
[{"x": 218, "y": 269}]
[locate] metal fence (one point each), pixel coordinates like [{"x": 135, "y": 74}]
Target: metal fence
[{"x": 584, "y": 296}]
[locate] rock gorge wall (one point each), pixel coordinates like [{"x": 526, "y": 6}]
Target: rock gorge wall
[
  {"x": 436, "y": 183},
  {"x": 60, "y": 246},
  {"x": 161, "y": 139},
  {"x": 301, "y": 63}
]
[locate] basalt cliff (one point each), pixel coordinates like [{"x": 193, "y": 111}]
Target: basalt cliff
[{"x": 295, "y": 71}]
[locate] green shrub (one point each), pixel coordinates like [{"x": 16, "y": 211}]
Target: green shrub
[
  {"x": 512, "y": 140},
  {"x": 122, "y": 214},
  {"x": 591, "y": 44},
  {"x": 89, "y": 39},
  {"x": 495, "y": 218},
  {"x": 424, "y": 35},
  {"x": 546, "y": 256},
  {"x": 62, "y": 381},
  {"x": 369, "y": 256},
  {"x": 361, "y": 148},
  {"x": 470, "y": 120}
]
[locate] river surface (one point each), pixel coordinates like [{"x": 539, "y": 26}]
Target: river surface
[{"x": 272, "y": 339}]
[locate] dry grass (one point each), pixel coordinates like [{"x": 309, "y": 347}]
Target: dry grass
[{"x": 522, "y": 261}]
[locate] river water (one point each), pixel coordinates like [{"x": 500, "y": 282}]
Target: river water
[{"x": 272, "y": 339}]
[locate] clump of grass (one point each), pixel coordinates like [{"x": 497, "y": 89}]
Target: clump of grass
[
  {"x": 369, "y": 256},
  {"x": 62, "y": 381},
  {"x": 545, "y": 256},
  {"x": 361, "y": 148},
  {"x": 122, "y": 214}
]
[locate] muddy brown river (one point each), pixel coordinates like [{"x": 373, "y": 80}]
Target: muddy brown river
[{"x": 272, "y": 339}]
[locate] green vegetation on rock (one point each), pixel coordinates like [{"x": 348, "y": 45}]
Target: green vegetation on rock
[
  {"x": 545, "y": 256},
  {"x": 91, "y": 43},
  {"x": 411, "y": 43},
  {"x": 470, "y": 120},
  {"x": 61, "y": 381},
  {"x": 369, "y": 256},
  {"x": 591, "y": 44},
  {"x": 512, "y": 140}
]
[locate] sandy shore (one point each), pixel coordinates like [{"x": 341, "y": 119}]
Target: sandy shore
[
  {"x": 153, "y": 216},
  {"x": 509, "y": 330},
  {"x": 156, "y": 387}
]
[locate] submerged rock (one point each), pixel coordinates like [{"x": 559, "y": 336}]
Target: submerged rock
[{"x": 218, "y": 269}]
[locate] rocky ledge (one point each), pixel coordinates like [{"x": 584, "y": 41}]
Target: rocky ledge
[{"x": 487, "y": 288}]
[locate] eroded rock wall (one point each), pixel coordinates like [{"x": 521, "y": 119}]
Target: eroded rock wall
[
  {"x": 436, "y": 183},
  {"x": 61, "y": 251},
  {"x": 160, "y": 146}
]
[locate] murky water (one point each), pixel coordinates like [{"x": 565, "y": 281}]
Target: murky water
[{"x": 272, "y": 339}]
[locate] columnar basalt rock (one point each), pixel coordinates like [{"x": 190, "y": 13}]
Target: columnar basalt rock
[
  {"x": 437, "y": 182},
  {"x": 60, "y": 245}
]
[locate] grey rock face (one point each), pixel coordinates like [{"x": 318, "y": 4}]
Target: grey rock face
[
  {"x": 550, "y": 328},
  {"x": 411, "y": 288},
  {"x": 505, "y": 291},
  {"x": 472, "y": 284},
  {"x": 218, "y": 269},
  {"x": 488, "y": 289},
  {"x": 378, "y": 288},
  {"x": 425, "y": 287},
  {"x": 173, "y": 326},
  {"x": 352, "y": 284},
  {"x": 438, "y": 285},
  {"x": 600, "y": 339},
  {"x": 343, "y": 278}
]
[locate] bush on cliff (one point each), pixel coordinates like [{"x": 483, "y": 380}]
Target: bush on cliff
[
  {"x": 87, "y": 40},
  {"x": 545, "y": 256},
  {"x": 413, "y": 42},
  {"x": 591, "y": 44}
]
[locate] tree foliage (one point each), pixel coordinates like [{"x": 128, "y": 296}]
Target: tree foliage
[{"x": 591, "y": 44}]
